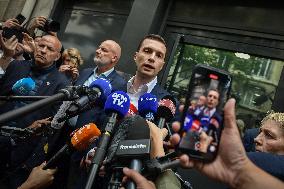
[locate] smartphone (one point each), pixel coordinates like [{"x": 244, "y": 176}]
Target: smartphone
[
  {"x": 202, "y": 118},
  {"x": 20, "y": 18}
]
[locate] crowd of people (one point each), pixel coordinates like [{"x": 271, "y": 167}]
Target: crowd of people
[{"x": 44, "y": 60}]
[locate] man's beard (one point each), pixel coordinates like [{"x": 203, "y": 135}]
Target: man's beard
[{"x": 99, "y": 63}]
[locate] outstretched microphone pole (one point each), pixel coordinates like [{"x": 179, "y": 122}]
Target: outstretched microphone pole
[
  {"x": 64, "y": 94},
  {"x": 22, "y": 98}
]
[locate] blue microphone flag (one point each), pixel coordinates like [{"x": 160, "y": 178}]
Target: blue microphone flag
[
  {"x": 147, "y": 103},
  {"x": 23, "y": 86},
  {"x": 104, "y": 86},
  {"x": 118, "y": 102}
]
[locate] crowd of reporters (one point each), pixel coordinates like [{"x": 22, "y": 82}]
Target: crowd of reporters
[{"x": 38, "y": 58}]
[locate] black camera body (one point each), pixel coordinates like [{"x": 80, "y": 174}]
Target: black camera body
[
  {"x": 50, "y": 25},
  {"x": 18, "y": 32},
  {"x": 9, "y": 32}
]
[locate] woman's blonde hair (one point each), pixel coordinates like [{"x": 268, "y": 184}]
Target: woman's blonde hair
[{"x": 74, "y": 55}]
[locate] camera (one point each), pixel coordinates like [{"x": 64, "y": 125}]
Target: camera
[
  {"x": 18, "y": 32},
  {"x": 50, "y": 25},
  {"x": 9, "y": 32}
]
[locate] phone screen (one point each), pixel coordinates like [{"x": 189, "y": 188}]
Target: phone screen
[{"x": 202, "y": 120}]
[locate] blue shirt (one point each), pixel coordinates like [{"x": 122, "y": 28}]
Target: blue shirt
[{"x": 94, "y": 76}]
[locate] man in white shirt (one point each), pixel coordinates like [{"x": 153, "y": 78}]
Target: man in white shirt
[
  {"x": 211, "y": 103},
  {"x": 149, "y": 59}
]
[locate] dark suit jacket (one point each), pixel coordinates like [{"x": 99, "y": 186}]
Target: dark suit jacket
[
  {"x": 248, "y": 139},
  {"x": 96, "y": 115},
  {"x": 159, "y": 92},
  {"x": 271, "y": 163}
]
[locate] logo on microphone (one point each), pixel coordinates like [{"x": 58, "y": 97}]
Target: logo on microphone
[
  {"x": 148, "y": 99},
  {"x": 150, "y": 116},
  {"x": 119, "y": 99},
  {"x": 135, "y": 146}
]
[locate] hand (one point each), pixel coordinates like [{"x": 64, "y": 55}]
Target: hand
[
  {"x": 75, "y": 73},
  {"x": 86, "y": 161},
  {"x": 141, "y": 182},
  {"x": 64, "y": 68},
  {"x": 67, "y": 68},
  {"x": 39, "y": 124},
  {"x": 157, "y": 137},
  {"x": 39, "y": 178},
  {"x": 11, "y": 23},
  {"x": 9, "y": 46},
  {"x": 36, "y": 23},
  {"x": 231, "y": 157},
  {"x": 205, "y": 141},
  {"x": 28, "y": 44}
]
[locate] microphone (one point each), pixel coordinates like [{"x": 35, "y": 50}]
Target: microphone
[
  {"x": 79, "y": 141},
  {"x": 117, "y": 106},
  {"x": 68, "y": 93},
  {"x": 97, "y": 91},
  {"x": 136, "y": 147},
  {"x": 147, "y": 106},
  {"x": 125, "y": 125},
  {"x": 165, "y": 112},
  {"x": 23, "y": 86}
]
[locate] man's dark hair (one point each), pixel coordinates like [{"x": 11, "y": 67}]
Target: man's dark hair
[
  {"x": 153, "y": 37},
  {"x": 213, "y": 89}
]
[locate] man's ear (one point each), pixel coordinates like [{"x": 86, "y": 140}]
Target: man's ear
[
  {"x": 58, "y": 56},
  {"x": 114, "y": 59},
  {"x": 135, "y": 56}
]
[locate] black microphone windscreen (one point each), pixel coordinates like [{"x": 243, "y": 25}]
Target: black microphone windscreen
[
  {"x": 131, "y": 128},
  {"x": 119, "y": 135},
  {"x": 139, "y": 129},
  {"x": 170, "y": 97}
]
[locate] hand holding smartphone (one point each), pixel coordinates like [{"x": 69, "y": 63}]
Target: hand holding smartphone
[
  {"x": 202, "y": 119},
  {"x": 18, "y": 32}
]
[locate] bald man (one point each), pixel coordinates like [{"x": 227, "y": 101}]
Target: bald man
[
  {"x": 106, "y": 58},
  {"x": 48, "y": 81}
]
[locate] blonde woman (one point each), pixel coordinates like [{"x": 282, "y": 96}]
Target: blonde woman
[{"x": 71, "y": 59}]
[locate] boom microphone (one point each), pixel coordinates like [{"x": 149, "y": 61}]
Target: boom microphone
[
  {"x": 23, "y": 86},
  {"x": 147, "y": 106},
  {"x": 165, "y": 112},
  {"x": 79, "y": 141},
  {"x": 117, "y": 106}
]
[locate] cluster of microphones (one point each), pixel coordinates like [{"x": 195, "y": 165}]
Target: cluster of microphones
[{"x": 125, "y": 137}]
